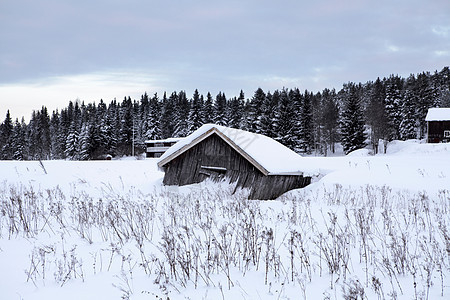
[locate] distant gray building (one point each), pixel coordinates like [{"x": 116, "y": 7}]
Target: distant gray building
[{"x": 156, "y": 148}]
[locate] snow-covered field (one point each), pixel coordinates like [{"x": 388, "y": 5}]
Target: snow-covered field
[{"x": 368, "y": 227}]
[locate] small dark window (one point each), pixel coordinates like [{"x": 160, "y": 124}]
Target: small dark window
[{"x": 447, "y": 133}]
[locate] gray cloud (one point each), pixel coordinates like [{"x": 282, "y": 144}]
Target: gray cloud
[{"x": 224, "y": 45}]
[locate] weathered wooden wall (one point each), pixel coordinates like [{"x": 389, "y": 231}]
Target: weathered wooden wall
[
  {"x": 271, "y": 186},
  {"x": 215, "y": 152}
]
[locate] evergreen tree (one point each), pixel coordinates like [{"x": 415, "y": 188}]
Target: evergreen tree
[
  {"x": 138, "y": 129},
  {"x": 392, "y": 103},
  {"x": 76, "y": 116},
  {"x": 296, "y": 100},
  {"x": 70, "y": 115},
  {"x": 442, "y": 83},
  {"x": 330, "y": 117},
  {"x": 44, "y": 134},
  {"x": 285, "y": 120},
  {"x": 181, "y": 113},
  {"x": 255, "y": 110},
  {"x": 425, "y": 95},
  {"x": 102, "y": 126},
  {"x": 63, "y": 130},
  {"x": 407, "y": 128},
  {"x": 31, "y": 136},
  {"x": 208, "y": 110},
  {"x": 167, "y": 124},
  {"x": 39, "y": 135},
  {"x": 306, "y": 141},
  {"x": 220, "y": 107},
  {"x": 265, "y": 122},
  {"x": 153, "y": 118},
  {"x": 6, "y": 136},
  {"x": 72, "y": 148},
  {"x": 110, "y": 129},
  {"x": 56, "y": 141},
  {"x": 85, "y": 142},
  {"x": 125, "y": 140},
  {"x": 19, "y": 142},
  {"x": 352, "y": 121},
  {"x": 234, "y": 113},
  {"x": 96, "y": 147},
  {"x": 144, "y": 107},
  {"x": 376, "y": 114},
  {"x": 318, "y": 142},
  {"x": 195, "y": 117}
]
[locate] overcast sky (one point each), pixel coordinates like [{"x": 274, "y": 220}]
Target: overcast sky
[{"x": 53, "y": 51}]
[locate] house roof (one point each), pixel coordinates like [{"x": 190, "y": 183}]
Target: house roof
[
  {"x": 168, "y": 140},
  {"x": 438, "y": 114},
  {"x": 266, "y": 154}
]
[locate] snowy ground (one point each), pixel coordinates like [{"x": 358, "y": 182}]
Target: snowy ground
[{"x": 371, "y": 227}]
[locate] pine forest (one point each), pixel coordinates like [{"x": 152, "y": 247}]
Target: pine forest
[{"x": 357, "y": 116}]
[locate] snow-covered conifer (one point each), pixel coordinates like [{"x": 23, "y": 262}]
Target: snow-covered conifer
[
  {"x": 220, "y": 107},
  {"x": 407, "y": 126},
  {"x": 195, "y": 117},
  {"x": 72, "y": 147},
  {"x": 352, "y": 121}
]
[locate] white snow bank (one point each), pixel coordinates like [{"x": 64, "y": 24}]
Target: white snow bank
[
  {"x": 359, "y": 153},
  {"x": 408, "y": 165},
  {"x": 417, "y": 148},
  {"x": 111, "y": 268},
  {"x": 91, "y": 176}
]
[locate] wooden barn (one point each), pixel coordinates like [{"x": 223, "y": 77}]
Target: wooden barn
[
  {"x": 257, "y": 162},
  {"x": 438, "y": 125}
]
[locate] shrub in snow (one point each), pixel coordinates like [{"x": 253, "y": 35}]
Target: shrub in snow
[{"x": 369, "y": 242}]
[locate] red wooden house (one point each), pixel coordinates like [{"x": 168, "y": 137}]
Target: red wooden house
[{"x": 438, "y": 124}]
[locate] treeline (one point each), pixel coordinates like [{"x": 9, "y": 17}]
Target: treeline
[{"x": 356, "y": 116}]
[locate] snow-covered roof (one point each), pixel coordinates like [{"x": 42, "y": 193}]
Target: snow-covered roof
[
  {"x": 438, "y": 114},
  {"x": 266, "y": 154},
  {"x": 168, "y": 140}
]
